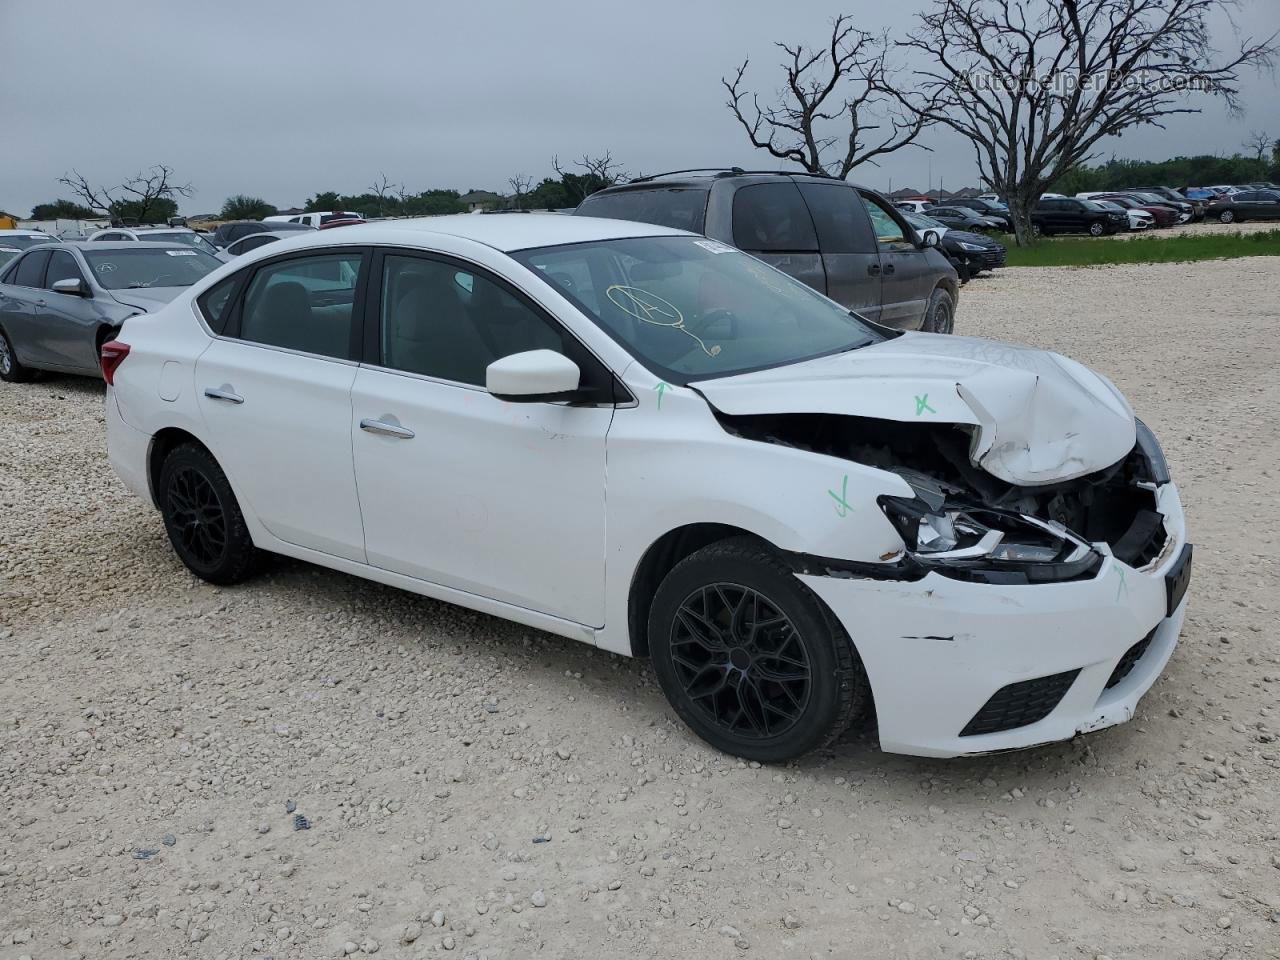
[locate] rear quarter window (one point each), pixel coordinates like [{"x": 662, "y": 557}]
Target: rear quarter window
[
  {"x": 772, "y": 218},
  {"x": 215, "y": 302},
  {"x": 682, "y": 208}
]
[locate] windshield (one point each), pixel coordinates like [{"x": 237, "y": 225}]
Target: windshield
[
  {"x": 20, "y": 241},
  {"x": 1092, "y": 205},
  {"x": 694, "y": 309},
  {"x": 921, "y": 222},
  {"x": 140, "y": 267},
  {"x": 180, "y": 236}
]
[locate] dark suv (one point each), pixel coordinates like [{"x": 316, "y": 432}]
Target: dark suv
[
  {"x": 844, "y": 241},
  {"x": 1069, "y": 215}
]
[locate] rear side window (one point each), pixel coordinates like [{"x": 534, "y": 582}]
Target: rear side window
[
  {"x": 303, "y": 304},
  {"x": 213, "y": 303},
  {"x": 681, "y": 208},
  {"x": 840, "y": 218},
  {"x": 31, "y": 269},
  {"x": 772, "y": 218}
]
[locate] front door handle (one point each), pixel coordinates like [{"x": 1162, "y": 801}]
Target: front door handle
[
  {"x": 873, "y": 268},
  {"x": 223, "y": 393},
  {"x": 385, "y": 429}
]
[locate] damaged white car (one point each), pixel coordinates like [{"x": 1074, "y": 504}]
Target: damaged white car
[{"x": 652, "y": 442}]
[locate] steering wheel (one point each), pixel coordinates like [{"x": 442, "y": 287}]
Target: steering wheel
[{"x": 712, "y": 317}]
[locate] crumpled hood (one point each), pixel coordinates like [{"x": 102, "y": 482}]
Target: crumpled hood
[
  {"x": 146, "y": 298},
  {"x": 1039, "y": 416}
]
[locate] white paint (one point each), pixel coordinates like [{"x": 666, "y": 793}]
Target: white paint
[{"x": 541, "y": 512}]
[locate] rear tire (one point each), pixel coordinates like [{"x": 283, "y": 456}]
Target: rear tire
[
  {"x": 749, "y": 657},
  {"x": 202, "y": 517},
  {"x": 11, "y": 371},
  {"x": 940, "y": 316}
]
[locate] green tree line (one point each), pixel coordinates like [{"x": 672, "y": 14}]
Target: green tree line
[{"x": 1198, "y": 171}]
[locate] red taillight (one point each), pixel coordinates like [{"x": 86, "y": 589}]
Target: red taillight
[{"x": 112, "y": 355}]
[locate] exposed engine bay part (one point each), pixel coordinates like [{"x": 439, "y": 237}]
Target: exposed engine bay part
[{"x": 967, "y": 523}]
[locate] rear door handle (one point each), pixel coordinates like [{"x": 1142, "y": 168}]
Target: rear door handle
[
  {"x": 221, "y": 393},
  {"x": 888, "y": 268},
  {"x": 385, "y": 429}
]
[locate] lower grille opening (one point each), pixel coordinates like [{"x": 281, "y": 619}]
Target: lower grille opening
[
  {"x": 1130, "y": 660},
  {"x": 1020, "y": 704}
]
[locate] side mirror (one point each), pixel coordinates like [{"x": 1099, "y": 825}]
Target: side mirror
[
  {"x": 533, "y": 376},
  {"x": 930, "y": 238},
  {"x": 72, "y": 287}
]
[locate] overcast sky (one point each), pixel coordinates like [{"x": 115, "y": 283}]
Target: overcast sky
[{"x": 285, "y": 98}]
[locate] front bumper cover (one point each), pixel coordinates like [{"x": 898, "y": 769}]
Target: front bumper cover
[{"x": 937, "y": 649}]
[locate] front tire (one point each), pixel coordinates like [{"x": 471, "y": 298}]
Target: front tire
[
  {"x": 1227, "y": 216},
  {"x": 202, "y": 517},
  {"x": 940, "y": 315},
  {"x": 11, "y": 370},
  {"x": 749, "y": 658},
  {"x": 1097, "y": 228}
]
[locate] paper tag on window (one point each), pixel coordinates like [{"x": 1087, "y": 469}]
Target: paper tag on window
[
  {"x": 714, "y": 246},
  {"x": 181, "y": 253}
]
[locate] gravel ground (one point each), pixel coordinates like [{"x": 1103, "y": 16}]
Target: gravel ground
[{"x": 476, "y": 787}]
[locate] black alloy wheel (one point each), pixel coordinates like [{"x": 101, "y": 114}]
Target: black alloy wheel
[
  {"x": 749, "y": 657},
  {"x": 740, "y": 661},
  {"x": 202, "y": 517},
  {"x": 197, "y": 516}
]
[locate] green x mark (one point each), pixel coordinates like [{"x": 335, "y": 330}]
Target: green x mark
[
  {"x": 842, "y": 498},
  {"x": 922, "y": 404},
  {"x": 1122, "y": 587}
]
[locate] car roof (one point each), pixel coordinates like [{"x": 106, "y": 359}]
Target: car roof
[
  {"x": 501, "y": 233},
  {"x": 704, "y": 179},
  {"x": 26, "y": 233}
]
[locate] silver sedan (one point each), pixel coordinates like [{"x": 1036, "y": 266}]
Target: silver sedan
[{"x": 60, "y": 302}]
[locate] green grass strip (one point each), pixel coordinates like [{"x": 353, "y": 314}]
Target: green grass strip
[{"x": 1090, "y": 252}]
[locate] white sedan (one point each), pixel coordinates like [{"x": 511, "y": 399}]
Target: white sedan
[{"x": 649, "y": 441}]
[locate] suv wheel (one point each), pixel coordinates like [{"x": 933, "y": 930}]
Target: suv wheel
[
  {"x": 749, "y": 658},
  {"x": 940, "y": 316},
  {"x": 202, "y": 518},
  {"x": 1227, "y": 216},
  {"x": 1097, "y": 228},
  {"x": 11, "y": 371}
]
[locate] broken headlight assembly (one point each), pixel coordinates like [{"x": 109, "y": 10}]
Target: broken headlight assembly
[{"x": 990, "y": 545}]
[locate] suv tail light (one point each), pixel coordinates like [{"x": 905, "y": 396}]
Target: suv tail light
[{"x": 112, "y": 355}]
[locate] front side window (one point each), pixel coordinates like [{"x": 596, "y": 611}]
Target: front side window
[
  {"x": 128, "y": 269},
  {"x": 442, "y": 321},
  {"x": 62, "y": 266},
  {"x": 693, "y": 309},
  {"x": 30, "y": 271},
  {"x": 842, "y": 226},
  {"x": 888, "y": 231},
  {"x": 772, "y": 218},
  {"x": 303, "y": 304}
]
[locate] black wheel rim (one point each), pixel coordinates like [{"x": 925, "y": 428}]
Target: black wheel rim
[
  {"x": 6, "y": 361},
  {"x": 196, "y": 516},
  {"x": 740, "y": 661}
]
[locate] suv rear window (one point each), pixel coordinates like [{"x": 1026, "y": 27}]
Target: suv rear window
[{"x": 683, "y": 208}]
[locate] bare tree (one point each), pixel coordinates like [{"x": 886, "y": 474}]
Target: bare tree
[
  {"x": 847, "y": 84},
  {"x": 520, "y": 185},
  {"x": 1035, "y": 84},
  {"x": 1259, "y": 144},
  {"x": 138, "y": 194},
  {"x": 385, "y": 190},
  {"x": 597, "y": 173}
]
